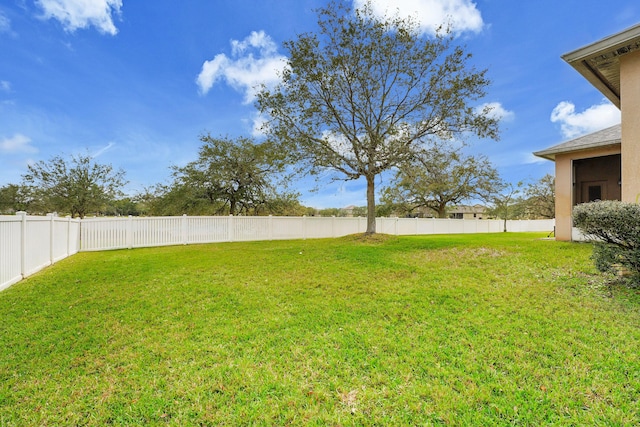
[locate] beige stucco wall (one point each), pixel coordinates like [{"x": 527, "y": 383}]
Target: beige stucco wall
[
  {"x": 564, "y": 197},
  {"x": 564, "y": 187},
  {"x": 630, "y": 107}
]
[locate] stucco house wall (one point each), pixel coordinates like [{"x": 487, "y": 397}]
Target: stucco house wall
[{"x": 630, "y": 108}]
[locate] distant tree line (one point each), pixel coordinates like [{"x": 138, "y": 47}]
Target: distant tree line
[{"x": 241, "y": 177}]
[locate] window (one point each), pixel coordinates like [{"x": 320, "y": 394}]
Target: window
[{"x": 595, "y": 192}]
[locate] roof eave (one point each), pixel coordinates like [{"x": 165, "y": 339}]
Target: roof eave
[
  {"x": 594, "y": 77},
  {"x": 579, "y": 59},
  {"x": 551, "y": 153}
]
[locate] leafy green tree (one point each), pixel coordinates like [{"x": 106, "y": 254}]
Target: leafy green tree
[
  {"x": 331, "y": 212},
  {"x": 439, "y": 177},
  {"x": 76, "y": 186},
  {"x": 541, "y": 198},
  {"x": 507, "y": 203},
  {"x": 122, "y": 207},
  {"x": 359, "y": 211},
  {"x": 231, "y": 176},
  {"x": 178, "y": 198},
  {"x": 13, "y": 198},
  {"x": 362, "y": 94},
  {"x": 286, "y": 204}
]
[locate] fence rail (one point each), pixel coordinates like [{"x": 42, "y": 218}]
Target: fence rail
[{"x": 30, "y": 243}]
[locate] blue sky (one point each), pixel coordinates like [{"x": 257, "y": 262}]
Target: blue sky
[{"x": 135, "y": 83}]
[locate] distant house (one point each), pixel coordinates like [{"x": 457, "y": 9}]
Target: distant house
[
  {"x": 468, "y": 212},
  {"x": 348, "y": 211},
  {"x": 604, "y": 165}
]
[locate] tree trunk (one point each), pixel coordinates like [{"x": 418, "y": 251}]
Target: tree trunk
[
  {"x": 506, "y": 215},
  {"x": 442, "y": 211},
  {"x": 371, "y": 205}
]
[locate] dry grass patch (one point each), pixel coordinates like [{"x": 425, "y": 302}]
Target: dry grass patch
[{"x": 457, "y": 255}]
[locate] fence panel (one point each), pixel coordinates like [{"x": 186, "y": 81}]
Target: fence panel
[
  {"x": 65, "y": 240},
  {"x": 154, "y": 231},
  {"x": 286, "y": 227},
  {"x": 520, "y": 226},
  {"x": 30, "y": 243},
  {"x": 10, "y": 250},
  {"x": 38, "y": 244},
  {"x": 206, "y": 229},
  {"x": 407, "y": 226},
  {"x": 246, "y": 229},
  {"x": 103, "y": 234},
  {"x": 345, "y": 226},
  {"x": 318, "y": 227},
  {"x": 386, "y": 225}
]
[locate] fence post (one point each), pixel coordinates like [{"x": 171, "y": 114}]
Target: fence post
[
  {"x": 230, "y": 228},
  {"x": 184, "y": 229},
  {"x": 270, "y": 227},
  {"x": 304, "y": 227},
  {"x": 68, "y": 218},
  {"x": 51, "y": 236},
  {"x": 129, "y": 236},
  {"x": 23, "y": 243}
]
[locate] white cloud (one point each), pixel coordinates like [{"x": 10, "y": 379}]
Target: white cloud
[
  {"x": 529, "y": 158},
  {"x": 5, "y": 86},
  {"x": 254, "y": 61},
  {"x": 258, "y": 123},
  {"x": 430, "y": 14},
  {"x": 74, "y": 14},
  {"x": 5, "y": 23},
  {"x": 17, "y": 143},
  {"x": 497, "y": 112},
  {"x": 574, "y": 124}
]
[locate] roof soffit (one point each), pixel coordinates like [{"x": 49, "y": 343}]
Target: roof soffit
[{"x": 599, "y": 62}]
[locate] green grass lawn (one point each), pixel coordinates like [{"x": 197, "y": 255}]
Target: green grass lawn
[{"x": 502, "y": 329}]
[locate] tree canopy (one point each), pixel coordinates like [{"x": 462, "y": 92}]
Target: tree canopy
[
  {"x": 12, "y": 199},
  {"x": 232, "y": 176},
  {"x": 541, "y": 198},
  {"x": 363, "y": 94},
  {"x": 76, "y": 186},
  {"x": 440, "y": 177}
]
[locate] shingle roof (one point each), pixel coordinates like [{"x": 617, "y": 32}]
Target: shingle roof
[{"x": 602, "y": 138}]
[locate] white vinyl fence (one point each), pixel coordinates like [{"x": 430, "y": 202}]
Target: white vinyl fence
[
  {"x": 136, "y": 232},
  {"x": 29, "y": 243}
]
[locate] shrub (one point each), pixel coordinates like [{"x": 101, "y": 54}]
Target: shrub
[{"x": 614, "y": 227}]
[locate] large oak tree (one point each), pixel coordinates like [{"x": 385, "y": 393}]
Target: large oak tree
[
  {"x": 230, "y": 175},
  {"x": 362, "y": 95}
]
